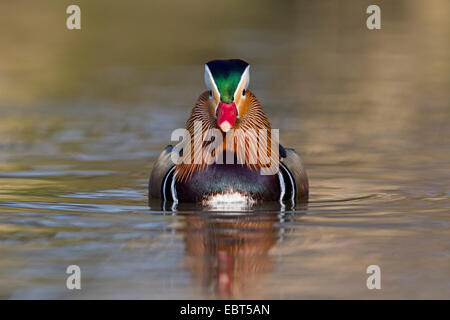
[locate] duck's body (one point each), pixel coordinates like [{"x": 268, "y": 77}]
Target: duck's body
[{"x": 229, "y": 105}]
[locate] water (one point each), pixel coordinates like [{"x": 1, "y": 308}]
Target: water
[{"x": 84, "y": 116}]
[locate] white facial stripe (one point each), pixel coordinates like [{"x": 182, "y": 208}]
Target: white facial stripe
[
  {"x": 210, "y": 83},
  {"x": 243, "y": 82}
]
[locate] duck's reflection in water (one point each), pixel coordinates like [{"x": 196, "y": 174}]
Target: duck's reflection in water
[{"x": 228, "y": 253}]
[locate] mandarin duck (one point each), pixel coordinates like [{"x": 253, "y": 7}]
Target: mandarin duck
[{"x": 233, "y": 170}]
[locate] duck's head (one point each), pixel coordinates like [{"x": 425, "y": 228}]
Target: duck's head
[{"x": 227, "y": 82}]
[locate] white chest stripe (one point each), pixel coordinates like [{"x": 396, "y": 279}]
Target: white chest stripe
[
  {"x": 292, "y": 181},
  {"x": 165, "y": 182},
  {"x": 172, "y": 188},
  {"x": 282, "y": 186}
]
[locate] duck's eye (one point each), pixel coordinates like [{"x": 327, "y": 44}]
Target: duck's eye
[
  {"x": 210, "y": 94},
  {"x": 243, "y": 92}
]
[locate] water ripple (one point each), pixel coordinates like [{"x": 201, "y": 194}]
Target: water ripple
[{"x": 109, "y": 208}]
